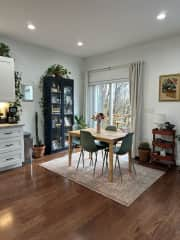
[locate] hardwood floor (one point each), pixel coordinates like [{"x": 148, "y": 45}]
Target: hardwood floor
[{"x": 36, "y": 204}]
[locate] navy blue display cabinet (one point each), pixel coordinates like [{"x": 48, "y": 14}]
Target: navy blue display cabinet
[{"x": 58, "y": 101}]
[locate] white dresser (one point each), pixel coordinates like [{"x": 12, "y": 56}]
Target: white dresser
[{"x": 11, "y": 146}]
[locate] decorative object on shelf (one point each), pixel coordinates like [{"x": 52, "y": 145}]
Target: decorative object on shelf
[
  {"x": 18, "y": 95},
  {"x": 27, "y": 92},
  {"x": 38, "y": 148},
  {"x": 163, "y": 152},
  {"x": 169, "y": 126},
  {"x": 163, "y": 146},
  {"x": 159, "y": 119},
  {"x": 4, "y": 50},
  {"x": 12, "y": 115},
  {"x": 98, "y": 118},
  {"x": 79, "y": 123},
  {"x": 144, "y": 151},
  {"x": 169, "y": 87}
]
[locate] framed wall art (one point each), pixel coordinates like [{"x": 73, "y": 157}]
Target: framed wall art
[
  {"x": 169, "y": 87},
  {"x": 27, "y": 91}
]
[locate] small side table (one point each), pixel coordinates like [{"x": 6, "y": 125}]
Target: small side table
[{"x": 159, "y": 142}]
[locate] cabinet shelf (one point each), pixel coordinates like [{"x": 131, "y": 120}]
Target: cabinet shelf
[
  {"x": 163, "y": 144},
  {"x": 163, "y": 132},
  {"x": 168, "y": 157}
]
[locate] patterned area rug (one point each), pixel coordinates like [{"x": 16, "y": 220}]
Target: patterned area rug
[{"x": 125, "y": 192}]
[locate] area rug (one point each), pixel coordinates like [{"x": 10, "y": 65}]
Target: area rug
[{"x": 125, "y": 192}]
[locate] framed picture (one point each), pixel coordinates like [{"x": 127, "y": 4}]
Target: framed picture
[
  {"x": 169, "y": 87},
  {"x": 27, "y": 91}
]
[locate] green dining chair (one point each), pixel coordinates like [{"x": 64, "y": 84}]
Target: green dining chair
[
  {"x": 105, "y": 145},
  {"x": 125, "y": 147},
  {"x": 88, "y": 144}
]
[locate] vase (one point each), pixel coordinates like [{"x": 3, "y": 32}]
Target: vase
[{"x": 98, "y": 126}]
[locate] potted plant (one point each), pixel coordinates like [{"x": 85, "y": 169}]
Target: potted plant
[
  {"x": 38, "y": 148},
  {"x": 79, "y": 122},
  {"x": 57, "y": 70},
  {"x": 144, "y": 151},
  {"x": 4, "y": 50}
]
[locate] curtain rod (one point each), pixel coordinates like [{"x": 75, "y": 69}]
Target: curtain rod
[{"x": 108, "y": 68}]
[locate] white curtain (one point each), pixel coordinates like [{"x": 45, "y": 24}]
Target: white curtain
[
  {"x": 136, "y": 99},
  {"x": 86, "y": 95}
]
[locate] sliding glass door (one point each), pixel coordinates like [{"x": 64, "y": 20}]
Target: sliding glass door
[{"x": 113, "y": 100}]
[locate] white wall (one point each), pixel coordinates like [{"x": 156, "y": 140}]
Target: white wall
[
  {"x": 160, "y": 57},
  {"x": 32, "y": 61}
]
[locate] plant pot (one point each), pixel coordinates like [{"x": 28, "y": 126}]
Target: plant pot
[
  {"x": 38, "y": 151},
  {"x": 144, "y": 154}
]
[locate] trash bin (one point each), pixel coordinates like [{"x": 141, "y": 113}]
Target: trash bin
[{"x": 28, "y": 144}]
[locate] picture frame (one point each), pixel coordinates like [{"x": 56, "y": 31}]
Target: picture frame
[
  {"x": 169, "y": 88},
  {"x": 27, "y": 92}
]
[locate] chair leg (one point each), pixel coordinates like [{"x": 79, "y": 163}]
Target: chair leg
[
  {"x": 95, "y": 164},
  {"x": 81, "y": 153},
  {"x": 119, "y": 167},
  {"x": 107, "y": 159},
  {"x": 83, "y": 158},
  {"x": 116, "y": 161},
  {"x": 104, "y": 159},
  {"x": 91, "y": 159},
  {"x": 133, "y": 164}
]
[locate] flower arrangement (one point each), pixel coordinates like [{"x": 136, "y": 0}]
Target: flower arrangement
[{"x": 98, "y": 117}]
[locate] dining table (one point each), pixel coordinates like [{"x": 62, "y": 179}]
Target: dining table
[{"x": 109, "y": 137}]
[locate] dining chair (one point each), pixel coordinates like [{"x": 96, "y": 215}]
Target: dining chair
[
  {"x": 105, "y": 145},
  {"x": 125, "y": 148},
  {"x": 88, "y": 144}
]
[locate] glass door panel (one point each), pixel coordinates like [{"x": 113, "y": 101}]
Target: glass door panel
[
  {"x": 121, "y": 105},
  {"x": 56, "y": 131},
  {"x": 100, "y": 102},
  {"x": 68, "y": 101},
  {"x": 68, "y": 112}
]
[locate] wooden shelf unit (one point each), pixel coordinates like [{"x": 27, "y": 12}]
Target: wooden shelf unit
[{"x": 161, "y": 142}]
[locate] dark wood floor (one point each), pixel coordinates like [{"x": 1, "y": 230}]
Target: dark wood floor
[{"x": 39, "y": 205}]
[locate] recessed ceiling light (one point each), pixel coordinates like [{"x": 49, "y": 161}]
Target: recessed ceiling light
[
  {"x": 80, "y": 44},
  {"x": 161, "y": 16},
  {"x": 30, "y": 26}
]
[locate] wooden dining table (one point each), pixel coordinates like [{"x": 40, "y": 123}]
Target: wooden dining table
[{"x": 110, "y": 137}]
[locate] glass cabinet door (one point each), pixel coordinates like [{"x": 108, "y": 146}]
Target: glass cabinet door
[
  {"x": 56, "y": 112},
  {"x": 68, "y": 112}
]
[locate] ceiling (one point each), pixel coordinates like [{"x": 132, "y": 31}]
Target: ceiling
[{"x": 103, "y": 25}]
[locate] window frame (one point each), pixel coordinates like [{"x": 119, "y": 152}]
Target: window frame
[{"x": 93, "y": 99}]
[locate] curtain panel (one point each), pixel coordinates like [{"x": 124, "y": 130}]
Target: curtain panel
[{"x": 136, "y": 100}]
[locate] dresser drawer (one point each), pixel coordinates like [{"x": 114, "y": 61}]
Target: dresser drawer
[
  {"x": 9, "y": 133},
  {"x": 10, "y": 159},
  {"x": 11, "y": 144}
]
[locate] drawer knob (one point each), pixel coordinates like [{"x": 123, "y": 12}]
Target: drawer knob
[
  {"x": 9, "y": 145},
  {"x": 8, "y": 133},
  {"x": 9, "y": 159}
]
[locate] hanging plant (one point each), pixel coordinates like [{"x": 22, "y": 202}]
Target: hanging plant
[
  {"x": 18, "y": 95},
  {"x": 4, "y": 50},
  {"x": 55, "y": 70}
]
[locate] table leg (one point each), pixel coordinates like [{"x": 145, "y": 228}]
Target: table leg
[
  {"x": 70, "y": 149},
  {"x": 130, "y": 161},
  {"x": 110, "y": 162}
]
